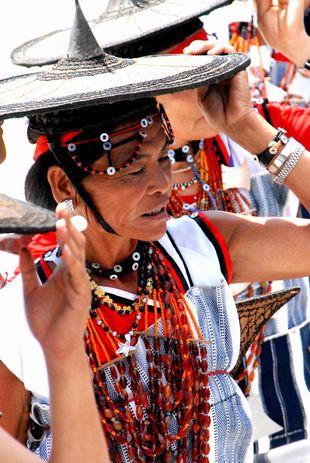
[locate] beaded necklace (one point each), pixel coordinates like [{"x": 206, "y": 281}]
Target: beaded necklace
[
  {"x": 177, "y": 396},
  {"x": 211, "y": 195},
  {"x": 131, "y": 264}
]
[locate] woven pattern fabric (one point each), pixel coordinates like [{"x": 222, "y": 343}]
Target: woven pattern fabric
[{"x": 123, "y": 22}]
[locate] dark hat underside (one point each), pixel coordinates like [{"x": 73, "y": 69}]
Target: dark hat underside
[
  {"x": 24, "y": 218},
  {"x": 123, "y": 22},
  {"x": 107, "y": 79}
]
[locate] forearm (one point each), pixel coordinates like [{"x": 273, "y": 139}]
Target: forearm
[
  {"x": 254, "y": 134},
  {"x": 76, "y": 428}
]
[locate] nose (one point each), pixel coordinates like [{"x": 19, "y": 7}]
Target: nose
[{"x": 160, "y": 181}]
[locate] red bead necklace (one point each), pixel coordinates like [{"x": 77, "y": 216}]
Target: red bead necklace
[{"x": 176, "y": 393}]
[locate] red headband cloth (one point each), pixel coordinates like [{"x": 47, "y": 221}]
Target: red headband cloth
[
  {"x": 42, "y": 142},
  {"x": 200, "y": 35}
]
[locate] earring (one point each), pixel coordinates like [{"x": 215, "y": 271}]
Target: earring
[{"x": 69, "y": 207}]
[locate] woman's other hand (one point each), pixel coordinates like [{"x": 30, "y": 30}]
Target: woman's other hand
[{"x": 57, "y": 310}]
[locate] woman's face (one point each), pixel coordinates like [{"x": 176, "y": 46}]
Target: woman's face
[
  {"x": 133, "y": 201},
  {"x": 186, "y": 118}
]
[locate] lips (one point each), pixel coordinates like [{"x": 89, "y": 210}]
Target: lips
[{"x": 154, "y": 212}]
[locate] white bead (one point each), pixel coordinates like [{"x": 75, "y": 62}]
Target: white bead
[
  {"x": 114, "y": 333},
  {"x": 72, "y": 147},
  {"x": 189, "y": 158},
  {"x": 135, "y": 266},
  {"x": 171, "y": 152},
  {"x": 143, "y": 134},
  {"x": 111, "y": 170},
  {"x": 117, "y": 268},
  {"x": 95, "y": 265},
  {"x": 206, "y": 187},
  {"x": 186, "y": 206},
  {"x": 194, "y": 215},
  {"x": 113, "y": 277},
  {"x": 104, "y": 137},
  {"x": 201, "y": 144},
  {"x": 107, "y": 146},
  {"x": 144, "y": 123},
  {"x": 136, "y": 256},
  {"x": 99, "y": 322},
  {"x": 185, "y": 149},
  {"x": 138, "y": 317},
  {"x": 172, "y": 159}
]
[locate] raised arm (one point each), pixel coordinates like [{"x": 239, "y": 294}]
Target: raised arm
[
  {"x": 228, "y": 108},
  {"x": 264, "y": 249}
]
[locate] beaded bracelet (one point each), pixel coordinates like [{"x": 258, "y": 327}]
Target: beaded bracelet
[{"x": 266, "y": 157}]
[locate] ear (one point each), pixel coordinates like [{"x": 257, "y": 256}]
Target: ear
[{"x": 60, "y": 185}]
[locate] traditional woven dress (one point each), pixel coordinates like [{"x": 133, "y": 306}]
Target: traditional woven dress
[{"x": 199, "y": 261}]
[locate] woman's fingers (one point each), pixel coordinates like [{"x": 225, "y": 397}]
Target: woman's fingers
[
  {"x": 199, "y": 47},
  {"x": 72, "y": 242},
  {"x": 27, "y": 268}
]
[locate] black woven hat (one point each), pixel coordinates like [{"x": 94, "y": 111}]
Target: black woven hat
[
  {"x": 88, "y": 76},
  {"x": 122, "y": 22},
  {"x": 24, "y": 218}
]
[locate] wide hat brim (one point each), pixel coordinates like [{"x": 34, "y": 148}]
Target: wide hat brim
[
  {"x": 71, "y": 83},
  {"x": 24, "y": 218},
  {"x": 123, "y": 23}
]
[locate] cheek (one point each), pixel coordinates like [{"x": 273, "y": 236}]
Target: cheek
[{"x": 116, "y": 198}]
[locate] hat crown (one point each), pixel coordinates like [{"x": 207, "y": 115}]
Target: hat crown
[{"x": 82, "y": 44}]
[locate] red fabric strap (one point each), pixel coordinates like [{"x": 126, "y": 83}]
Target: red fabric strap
[
  {"x": 222, "y": 244},
  {"x": 42, "y": 143}
]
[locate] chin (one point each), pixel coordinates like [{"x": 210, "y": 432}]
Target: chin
[{"x": 153, "y": 231}]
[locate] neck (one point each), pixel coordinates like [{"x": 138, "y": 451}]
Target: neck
[{"x": 107, "y": 249}]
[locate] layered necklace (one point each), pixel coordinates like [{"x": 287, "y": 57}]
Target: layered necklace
[
  {"x": 204, "y": 158},
  {"x": 161, "y": 409}
]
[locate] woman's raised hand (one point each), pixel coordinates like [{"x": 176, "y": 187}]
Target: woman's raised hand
[
  {"x": 57, "y": 310},
  {"x": 228, "y": 102},
  {"x": 282, "y": 25}
]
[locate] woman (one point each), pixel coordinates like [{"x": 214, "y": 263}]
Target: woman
[
  {"x": 125, "y": 304},
  {"x": 163, "y": 332},
  {"x": 61, "y": 350}
]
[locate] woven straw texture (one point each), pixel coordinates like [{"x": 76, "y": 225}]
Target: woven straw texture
[
  {"x": 123, "y": 22},
  {"x": 74, "y": 83},
  {"x": 24, "y": 218}
]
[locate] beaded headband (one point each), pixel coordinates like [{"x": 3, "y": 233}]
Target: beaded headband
[{"x": 104, "y": 140}]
